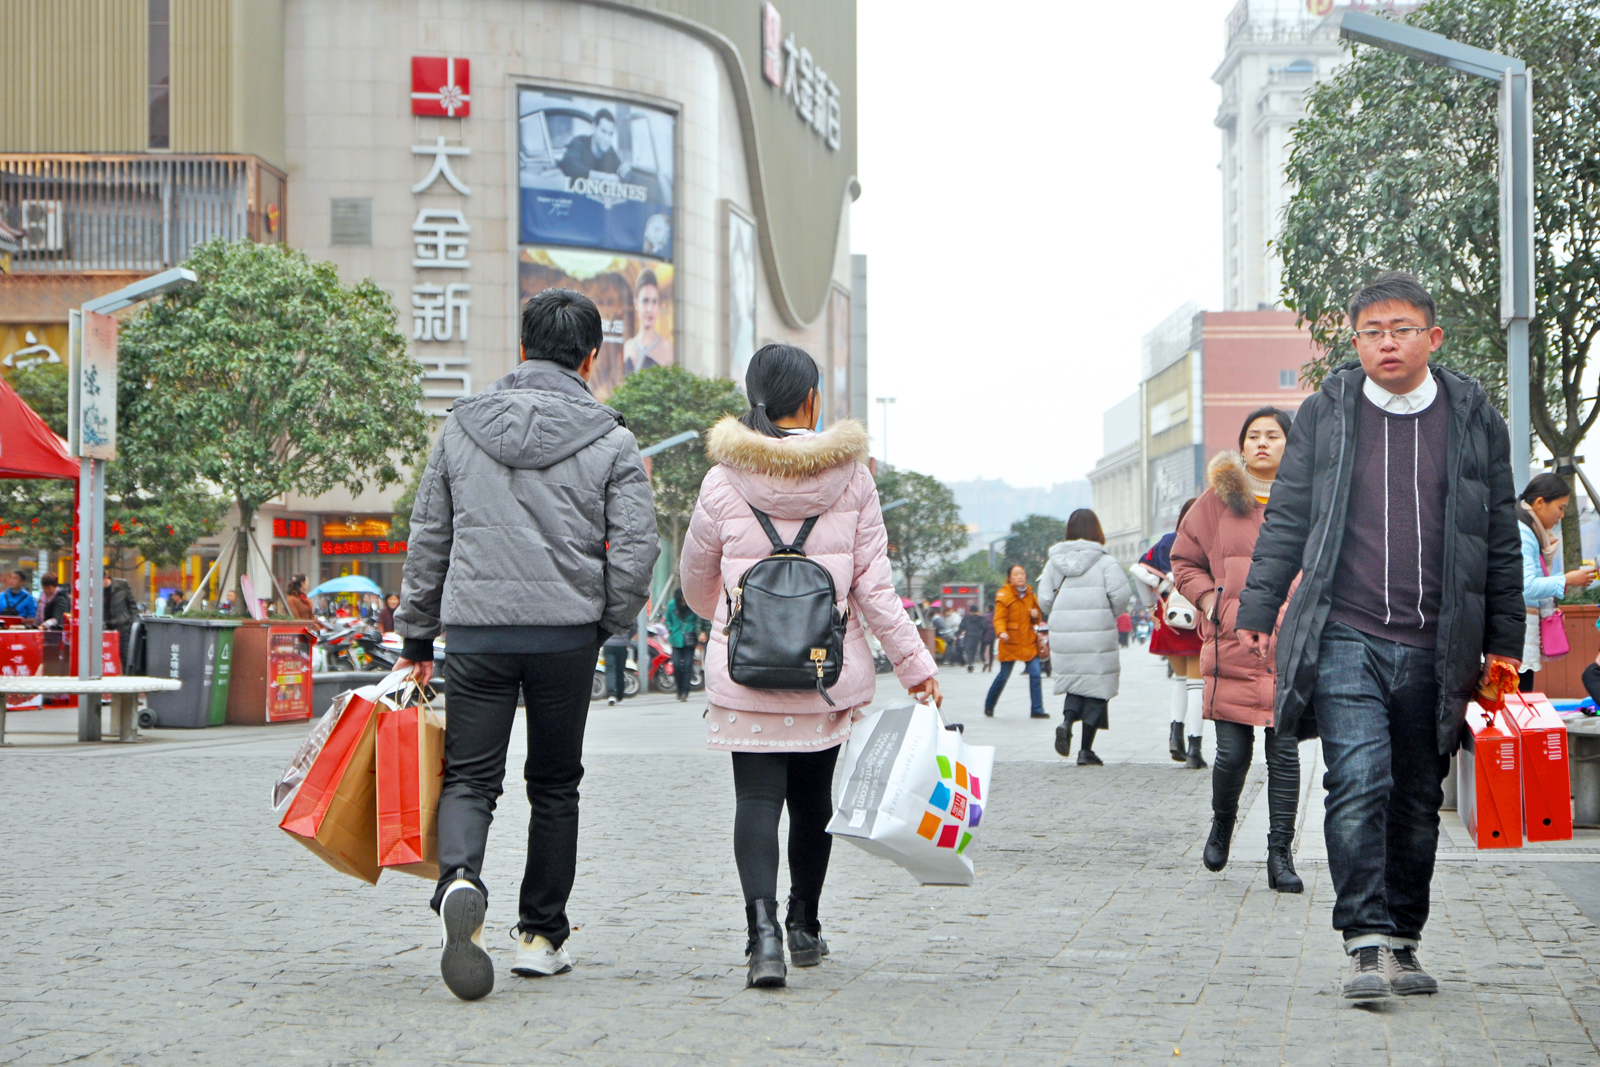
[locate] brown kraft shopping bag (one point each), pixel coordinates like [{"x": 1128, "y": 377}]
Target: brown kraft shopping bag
[{"x": 335, "y": 811}]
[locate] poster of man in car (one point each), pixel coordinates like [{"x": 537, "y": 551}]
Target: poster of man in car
[{"x": 595, "y": 173}]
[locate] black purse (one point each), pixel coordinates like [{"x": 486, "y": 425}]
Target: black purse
[{"x": 784, "y": 629}]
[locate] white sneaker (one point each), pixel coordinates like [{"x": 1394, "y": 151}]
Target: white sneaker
[
  {"x": 465, "y": 965},
  {"x": 611, "y": 702},
  {"x": 537, "y": 958}
]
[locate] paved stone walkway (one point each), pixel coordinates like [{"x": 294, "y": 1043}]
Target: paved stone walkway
[{"x": 155, "y": 915}]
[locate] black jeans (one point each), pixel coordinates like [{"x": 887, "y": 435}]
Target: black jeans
[
  {"x": 683, "y": 668},
  {"x": 1231, "y": 764},
  {"x": 1376, "y": 704},
  {"x": 482, "y": 709},
  {"x": 763, "y": 782}
]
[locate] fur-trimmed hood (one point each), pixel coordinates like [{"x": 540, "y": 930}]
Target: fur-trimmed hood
[
  {"x": 1227, "y": 476},
  {"x": 733, "y": 443}
]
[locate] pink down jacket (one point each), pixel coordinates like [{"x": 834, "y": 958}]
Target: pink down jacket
[{"x": 791, "y": 479}]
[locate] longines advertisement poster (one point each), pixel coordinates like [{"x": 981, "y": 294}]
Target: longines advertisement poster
[
  {"x": 595, "y": 173},
  {"x": 633, "y": 293}
]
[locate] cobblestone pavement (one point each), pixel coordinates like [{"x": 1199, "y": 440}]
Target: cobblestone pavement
[{"x": 154, "y": 915}]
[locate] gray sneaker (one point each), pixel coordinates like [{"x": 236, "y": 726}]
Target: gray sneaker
[
  {"x": 1368, "y": 978},
  {"x": 1406, "y": 976}
]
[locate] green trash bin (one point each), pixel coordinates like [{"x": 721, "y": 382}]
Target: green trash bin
[{"x": 197, "y": 652}]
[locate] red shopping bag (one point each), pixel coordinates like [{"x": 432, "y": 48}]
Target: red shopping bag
[
  {"x": 410, "y": 763},
  {"x": 334, "y": 811}
]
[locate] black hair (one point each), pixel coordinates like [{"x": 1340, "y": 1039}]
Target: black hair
[
  {"x": 604, "y": 113},
  {"x": 1187, "y": 504},
  {"x": 1285, "y": 420},
  {"x": 22, "y": 574},
  {"x": 646, "y": 277},
  {"x": 778, "y": 382},
  {"x": 1396, "y": 286},
  {"x": 1543, "y": 485},
  {"x": 1084, "y": 525},
  {"x": 562, "y": 326},
  {"x": 49, "y": 579},
  {"x": 1013, "y": 567}
]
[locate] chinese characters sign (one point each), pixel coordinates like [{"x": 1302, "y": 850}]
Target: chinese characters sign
[
  {"x": 803, "y": 81},
  {"x": 95, "y": 432},
  {"x": 440, "y": 303},
  {"x": 288, "y": 528},
  {"x": 363, "y": 548}
]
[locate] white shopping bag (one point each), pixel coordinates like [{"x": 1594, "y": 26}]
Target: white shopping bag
[{"x": 914, "y": 792}]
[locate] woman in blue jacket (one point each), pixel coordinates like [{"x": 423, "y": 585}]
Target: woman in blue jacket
[{"x": 1543, "y": 502}]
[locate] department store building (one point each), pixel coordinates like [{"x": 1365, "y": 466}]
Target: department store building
[{"x": 688, "y": 164}]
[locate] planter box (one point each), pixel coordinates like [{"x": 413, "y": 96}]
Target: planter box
[{"x": 1563, "y": 678}]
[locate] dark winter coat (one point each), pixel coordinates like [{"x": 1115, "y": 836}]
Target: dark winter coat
[
  {"x": 121, "y": 608},
  {"x": 1212, "y": 555},
  {"x": 1481, "y": 609}
]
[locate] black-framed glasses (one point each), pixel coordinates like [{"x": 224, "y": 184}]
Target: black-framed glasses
[{"x": 1399, "y": 333}]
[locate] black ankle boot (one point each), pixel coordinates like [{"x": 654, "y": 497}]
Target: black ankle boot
[
  {"x": 1218, "y": 840},
  {"x": 1194, "y": 761},
  {"x": 1280, "y": 868},
  {"x": 1175, "y": 743},
  {"x": 806, "y": 947},
  {"x": 765, "y": 947}
]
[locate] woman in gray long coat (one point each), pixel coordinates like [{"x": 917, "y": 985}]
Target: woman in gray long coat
[{"x": 1083, "y": 590}]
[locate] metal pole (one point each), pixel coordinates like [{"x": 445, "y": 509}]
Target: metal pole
[
  {"x": 90, "y": 607},
  {"x": 643, "y": 653}
]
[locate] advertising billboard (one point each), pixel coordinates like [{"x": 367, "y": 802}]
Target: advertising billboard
[
  {"x": 635, "y": 298},
  {"x": 741, "y": 276},
  {"x": 595, "y": 173}
]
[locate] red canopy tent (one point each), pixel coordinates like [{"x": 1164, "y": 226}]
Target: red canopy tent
[{"x": 28, "y": 448}]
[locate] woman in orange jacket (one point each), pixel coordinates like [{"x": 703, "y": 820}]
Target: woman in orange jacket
[{"x": 1016, "y": 611}]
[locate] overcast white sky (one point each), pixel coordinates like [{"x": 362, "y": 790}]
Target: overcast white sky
[{"x": 1039, "y": 188}]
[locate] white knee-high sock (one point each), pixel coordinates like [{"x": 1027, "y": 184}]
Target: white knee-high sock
[
  {"x": 1196, "y": 698},
  {"x": 1180, "y": 698}
]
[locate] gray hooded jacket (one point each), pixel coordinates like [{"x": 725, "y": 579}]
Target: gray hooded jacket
[
  {"x": 533, "y": 515},
  {"x": 1082, "y": 591}
]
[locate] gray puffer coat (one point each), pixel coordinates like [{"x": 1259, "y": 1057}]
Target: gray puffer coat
[
  {"x": 1083, "y": 590},
  {"x": 534, "y": 510}
]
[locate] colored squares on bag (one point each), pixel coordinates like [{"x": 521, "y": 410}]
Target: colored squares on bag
[
  {"x": 958, "y": 807},
  {"x": 964, "y": 839},
  {"x": 977, "y": 794},
  {"x": 974, "y": 813},
  {"x": 944, "y": 767},
  {"x": 940, "y": 798},
  {"x": 947, "y": 837},
  {"x": 961, "y": 775},
  {"x": 930, "y": 825}
]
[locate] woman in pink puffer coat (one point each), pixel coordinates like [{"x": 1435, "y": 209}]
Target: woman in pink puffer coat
[{"x": 785, "y": 743}]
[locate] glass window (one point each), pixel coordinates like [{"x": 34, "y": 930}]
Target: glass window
[
  {"x": 1288, "y": 379},
  {"x": 160, "y": 80}
]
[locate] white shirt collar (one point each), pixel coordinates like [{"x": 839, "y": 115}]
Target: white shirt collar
[{"x": 1402, "y": 403}]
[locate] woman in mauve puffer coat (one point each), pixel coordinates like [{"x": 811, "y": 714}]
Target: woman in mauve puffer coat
[
  {"x": 785, "y": 743},
  {"x": 1210, "y": 562}
]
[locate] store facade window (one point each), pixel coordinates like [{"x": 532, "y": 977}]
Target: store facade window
[{"x": 159, "y": 52}]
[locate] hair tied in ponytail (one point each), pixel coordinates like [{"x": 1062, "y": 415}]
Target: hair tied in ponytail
[{"x": 784, "y": 377}]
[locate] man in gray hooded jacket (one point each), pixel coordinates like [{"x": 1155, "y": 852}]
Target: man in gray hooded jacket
[{"x": 532, "y": 538}]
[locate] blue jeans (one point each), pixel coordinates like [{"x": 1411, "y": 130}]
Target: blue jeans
[
  {"x": 1376, "y": 706},
  {"x": 1034, "y": 692}
]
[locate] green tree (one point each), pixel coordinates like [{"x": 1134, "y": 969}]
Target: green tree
[
  {"x": 1395, "y": 166},
  {"x": 268, "y": 377},
  {"x": 926, "y": 528},
  {"x": 1030, "y": 541},
  {"x": 659, "y": 403}
]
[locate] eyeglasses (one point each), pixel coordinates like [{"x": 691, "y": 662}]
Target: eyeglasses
[{"x": 1399, "y": 333}]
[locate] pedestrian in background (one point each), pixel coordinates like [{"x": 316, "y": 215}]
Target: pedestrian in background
[
  {"x": 615, "y": 652},
  {"x": 15, "y": 599},
  {"x": 1210, "y": 560},
  {"x": 686, "y": 632},
  {"x": 54, "y": 603},
  {"x": 1083, "y": 591},
  {"x": 391, "y": 604},
  {"x": 784, "y": 743},
  {"x": 533, "y": 536},
  {"x": 1016, "y": 612},
  {"x": 299, "y": 603},
  {"x": 1124, "y": 629},
  {"x": 1540, "y": 508},
  {"x": 1404, "y": 468},
  {"x": 1181, "y": 648},
  {"x": 988, "y": 641},
  {"x": 121, "y": 610},
  {"x": 969, "y": 636}
]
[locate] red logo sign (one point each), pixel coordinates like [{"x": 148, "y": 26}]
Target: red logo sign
[
  {"x": 288, "y": 527},
  {"x": 363, "y": 548},
  {"x": 771, "y": 44},
  {"x": 441, "y": 86}
]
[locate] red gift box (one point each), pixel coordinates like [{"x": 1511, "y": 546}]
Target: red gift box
[
  {"x": 1489, "y": 785},
  {"x": 1546, "y": 780}
]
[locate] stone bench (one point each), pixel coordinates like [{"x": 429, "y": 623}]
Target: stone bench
[{"x": 124, "y": 691}]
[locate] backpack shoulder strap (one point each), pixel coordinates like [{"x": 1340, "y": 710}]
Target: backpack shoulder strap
[{"x": 772, "y": 533}]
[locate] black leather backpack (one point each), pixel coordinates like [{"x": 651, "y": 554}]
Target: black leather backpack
[{"x": 784, "y": 629}]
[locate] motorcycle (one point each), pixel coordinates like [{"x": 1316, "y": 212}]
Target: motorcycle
[
  {"x": 338, "y": 646},
  {"x": 385, "y": 653},
  {"x": 660, "y": 673}
]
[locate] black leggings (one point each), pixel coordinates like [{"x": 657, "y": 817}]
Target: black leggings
[
  {"x": 763, "y": 781},
  {"x": 1235, "y": 745}
]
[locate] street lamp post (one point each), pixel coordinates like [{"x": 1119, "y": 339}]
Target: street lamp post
[
  {"x": 91, "y": 433},
  {"x": 885, "y": 401},
  {"x": 1517, "y": 306}
]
